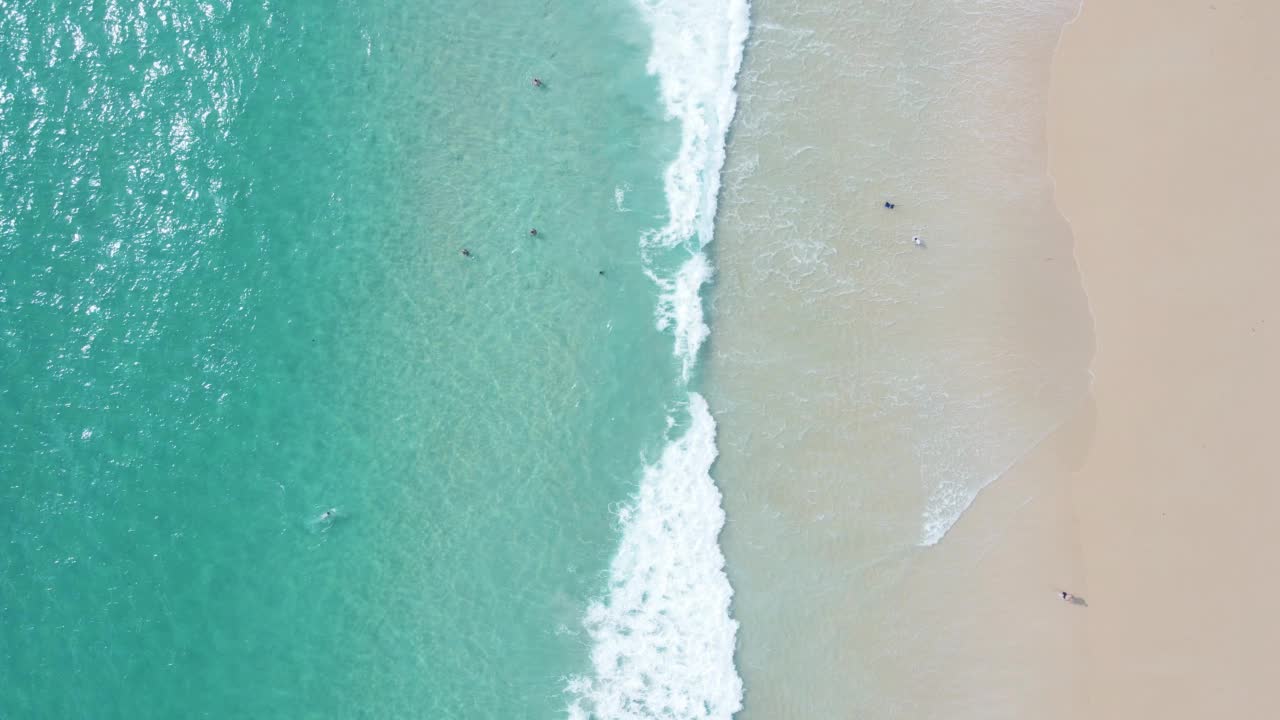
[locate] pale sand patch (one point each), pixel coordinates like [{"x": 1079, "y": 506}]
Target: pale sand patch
[{"x": 1164, "y": 144}]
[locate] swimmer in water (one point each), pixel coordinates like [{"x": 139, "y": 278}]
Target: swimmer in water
[
  {"x": 329, "y": 514},
  {"x": 466, "y": 252},
  {"x": 533, "y": 231},
  {"x": 537, "y": 82}
]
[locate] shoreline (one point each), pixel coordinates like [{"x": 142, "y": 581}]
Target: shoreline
[
  {"x": 1161, "y": 155},
  {"x": 664, "y": 634},
  {"x": 867, "y": 388}
]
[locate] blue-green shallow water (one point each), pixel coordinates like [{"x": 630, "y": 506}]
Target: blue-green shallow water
[{"x": 231, "y": 297}]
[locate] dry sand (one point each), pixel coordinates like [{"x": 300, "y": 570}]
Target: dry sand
[{"x": 1165, "y": 146}]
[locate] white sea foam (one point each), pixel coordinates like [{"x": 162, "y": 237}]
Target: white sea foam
[
  {"x": 953, "y": 496},
  {"x": 620, "y": 195},
  {"x": 946, "y": 504},
  {"x": 697, "y": 51},
  {"x": 663, "y": 639},
  {"x": 680, "y": 308}
]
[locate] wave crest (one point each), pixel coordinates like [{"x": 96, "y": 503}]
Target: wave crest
[{"x": 663, "y": 640}]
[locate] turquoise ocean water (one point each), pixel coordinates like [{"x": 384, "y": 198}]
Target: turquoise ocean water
[{"x": 232, "y": 297}]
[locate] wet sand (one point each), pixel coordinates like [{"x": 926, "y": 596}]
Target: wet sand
[{"x": 1164, "y": 147}]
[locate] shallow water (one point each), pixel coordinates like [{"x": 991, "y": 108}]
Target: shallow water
[{"x": 868, "y": 388}]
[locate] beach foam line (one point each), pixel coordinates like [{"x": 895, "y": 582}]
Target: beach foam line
[
  {"x": 663, "y": 640},
  {"x": 952, "y": 498},
  {"x": 680, "y": 308},
  {"x": 697, "y": 52}
]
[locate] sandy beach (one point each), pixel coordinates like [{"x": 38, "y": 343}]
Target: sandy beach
[
  {"x": 1119, "y": 359},
  {"x": 1163, "y": 146}
]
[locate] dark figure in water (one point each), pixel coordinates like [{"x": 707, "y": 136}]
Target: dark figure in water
[
  {"x": 466, "y": 252},
  {"x": 537, "y": 82},
  {"x": 534, "y": 231},
  {"x": 602, "y": 273},
  {"x": 888, "y": 204}
]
